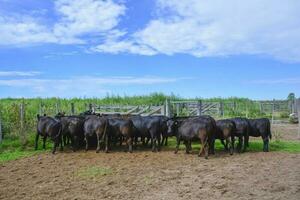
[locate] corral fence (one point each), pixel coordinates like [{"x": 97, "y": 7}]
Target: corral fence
[
  {"x": 19, "y": 117},
  {"x": 143, "y": 110}
]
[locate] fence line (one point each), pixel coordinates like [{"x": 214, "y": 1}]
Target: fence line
[{"x": 20, "y": 118}]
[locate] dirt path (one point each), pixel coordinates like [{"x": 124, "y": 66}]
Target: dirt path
[{"x": 147, "y": 175}]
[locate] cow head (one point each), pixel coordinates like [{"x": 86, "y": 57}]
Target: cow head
[{"x": 172, "y": 127}]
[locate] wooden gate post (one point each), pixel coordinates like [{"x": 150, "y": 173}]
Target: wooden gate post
[
  {"x": 22, "y": 123},
  {"x": 221, "y": 111},
  {"x": 168, "y": 108},
  {"x": 273, "y": 109},
  {"x": 199, "y": 108},
  {"x": 56, "y": 108}
]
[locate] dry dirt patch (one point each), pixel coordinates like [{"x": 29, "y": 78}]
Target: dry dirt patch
[{"x": 147, "y": 175}]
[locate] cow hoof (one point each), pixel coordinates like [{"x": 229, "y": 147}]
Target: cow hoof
[
  {"x": 53, "y": 152},
  {"x": 175, "y": 152},
  {"x": 206, "y": 157}
]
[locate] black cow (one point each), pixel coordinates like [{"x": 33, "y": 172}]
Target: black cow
[
  {"x": 121, "y": 128},
  {"x": 226, "y": 131},
  {"x": 242, "y": 132},
  {"x": 203, "y": 128},
  {"x": 260, "y": 128},
  {"x": 147, "y": 127},
  {"x": 95, "y": 125},
  {"x": 72, "y": 129},
  {"x": 48, "y": 127},
  {"x": 163, "y": 128}
]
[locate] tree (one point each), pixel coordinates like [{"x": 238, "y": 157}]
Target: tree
[{"x": 291, "y": 96}]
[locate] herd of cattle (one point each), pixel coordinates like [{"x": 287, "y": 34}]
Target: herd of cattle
[{"x": 105, "y": 131}]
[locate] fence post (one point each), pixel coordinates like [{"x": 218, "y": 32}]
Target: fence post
[
  {"x": 199, "y": 108},
  {"x": 0, "y": 131},
  {"x": 298, "y": 111},
  {"x": 56, "y": 108},
  {"x": 221, "y": 109},
  {"x": 168, "y": 108},
  {"x": 177, "y": 109},
  {"x": 41, "y": 109},
  {"x": 234, "y": 106},
  {"x": 273, "y": 109},
  {"x": 72, "y": 109},
  {"x": 22, "y": 123}
]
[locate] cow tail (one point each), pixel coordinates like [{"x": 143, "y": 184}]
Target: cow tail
[
  {"x": 105, "y": 129},
  {"x": 269, "y": 130}
]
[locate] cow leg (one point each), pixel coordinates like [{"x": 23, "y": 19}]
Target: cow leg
[
  {"x": 44, "y": 142},
  {"x": 158, "y": 143},
  {"x": 86, "y": 143},
  {"x": 206, "y": 149},
  {"x": 187, "y": 148},
  {"x": 147, "y": 141},
  {"x": 56, "y": 143},
  {"x": 98, "y": 143},
  {"x": 61, "y": 144},
  {"x": 129, "y": 143},
  {"x": 121, "y": 140},
  {"x": 65, "y": 139},
  {"x": 106, "y": 137},
  {"x": 223, "y": 143},
  {"x": 166, "y": 142},
  {"x": 135, "y": 142},
  {"x": 36, "y": 141},
  {"x": 202, "y": 148},
  {"x": 177, "y": 144},
  {"x": 266, "y": 144},
  {"x": 153, "y": 143},
  {"x": 190, "y": 145},
  {"x": 163, "y": 140},
  {"x": 240, "y": 144}
]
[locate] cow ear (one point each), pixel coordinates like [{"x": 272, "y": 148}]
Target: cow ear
[{"x": 38, "y": 116}]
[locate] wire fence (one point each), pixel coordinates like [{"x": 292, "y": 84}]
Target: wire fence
[{"x": 19, "y": 117}]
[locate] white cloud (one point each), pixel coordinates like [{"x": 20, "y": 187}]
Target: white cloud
[
  {"x": 19, "y": 73},
  {"x": 277, "y": 81},
  {"x": 77, "y": 18},
  {"x": 81, "y": 86},
  {"x": 201, "y": 28},
  {"x": 220, "y": 28},
  {"x": 21, "y": 30}
]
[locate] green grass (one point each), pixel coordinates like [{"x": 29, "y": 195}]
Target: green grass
[
  {"x": 93, "y": 172},
  {"x": 11, "y": 148},
  {"x": 254, "y": 146}
]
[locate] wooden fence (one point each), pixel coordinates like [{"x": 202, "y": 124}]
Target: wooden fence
[{"x": 143, "y": 110}]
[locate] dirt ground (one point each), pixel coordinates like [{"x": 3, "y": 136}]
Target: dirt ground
[
  {"x": 147, "y": 175},
  {"x": 285, "y": 131}
]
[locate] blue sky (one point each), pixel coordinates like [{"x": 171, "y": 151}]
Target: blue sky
[{"x": 192, "y": 48}]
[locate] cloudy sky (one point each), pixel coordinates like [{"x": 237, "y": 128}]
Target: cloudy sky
[{"x": 203, "y": 48}]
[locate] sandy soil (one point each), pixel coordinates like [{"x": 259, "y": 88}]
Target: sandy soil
[{"x": 147, "y": 175}]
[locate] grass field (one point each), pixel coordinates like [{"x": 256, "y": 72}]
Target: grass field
[{"x": 11, "y": 148}]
